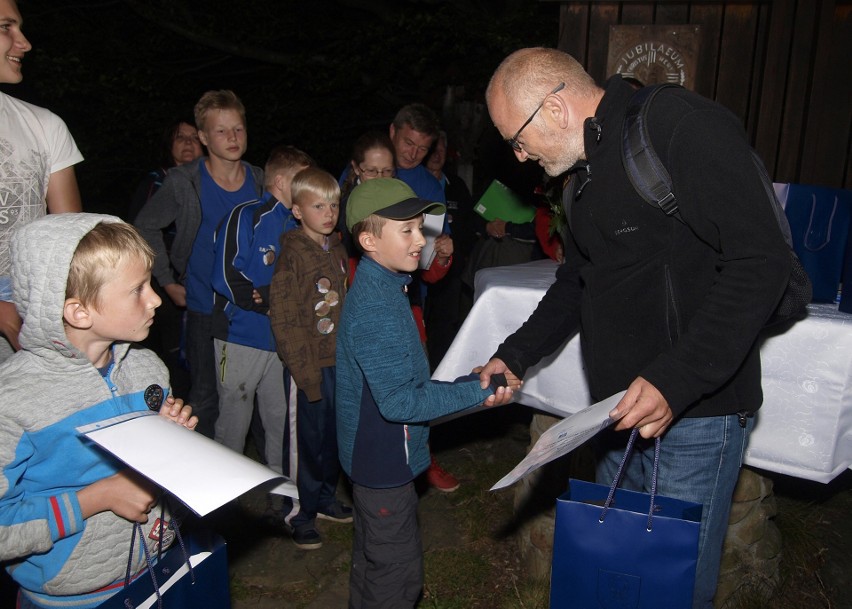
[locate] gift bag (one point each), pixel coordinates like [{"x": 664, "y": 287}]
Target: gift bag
[
  {"x": 205, "y": 586},
  {"x": 846, "y": 278},
  {"x": 819, "y": 222},
  {"x": 620, "y": 549}
]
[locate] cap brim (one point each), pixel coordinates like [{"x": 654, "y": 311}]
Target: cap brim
[{"x": 410, "y": 208}]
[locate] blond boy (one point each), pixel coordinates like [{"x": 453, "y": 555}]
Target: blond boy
[
  {"x": 82, "y": 287},
  {"x": 306, "y": 296},
  {"x": 196, "y": 197}
]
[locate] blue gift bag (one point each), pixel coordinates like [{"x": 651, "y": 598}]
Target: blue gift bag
[
  {"x": 819, "y": 222},
  {"x": 612, "y": 551},
  {"x": 205, "y": 586},
  {"x": 846, "y": 278}
]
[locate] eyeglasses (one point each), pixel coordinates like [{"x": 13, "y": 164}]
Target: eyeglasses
[
  {"x": 513, "y": 141},
  {"x": 374, "y": 173}
]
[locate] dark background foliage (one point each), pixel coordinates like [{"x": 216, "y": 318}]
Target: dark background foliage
[{"x": 313, "y": 74}]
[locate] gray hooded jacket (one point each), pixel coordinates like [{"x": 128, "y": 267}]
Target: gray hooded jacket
[{"x": 49, "y": 389}]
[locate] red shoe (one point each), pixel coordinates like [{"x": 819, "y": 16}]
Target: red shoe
[{"x": 440, "y": 478}]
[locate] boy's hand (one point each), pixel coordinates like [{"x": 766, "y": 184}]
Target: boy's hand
[
  {"x": 174, "y": 409},
  {"x": 177, "y": 293},
  {"x": 125, "y": 494},
  {"x": 256, "y": 297},
  {"x": 497, "y": 366},
  {"x": 503, "y": 395}
]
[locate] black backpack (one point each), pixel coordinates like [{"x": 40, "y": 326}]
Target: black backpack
[{"x": 653, "y": 182}]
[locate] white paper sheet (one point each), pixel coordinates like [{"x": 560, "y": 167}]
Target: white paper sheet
[
  {"x": 433, "y": 227},
  {"x": 563, "y": 437},
  {"x": 202, "y": 473}
]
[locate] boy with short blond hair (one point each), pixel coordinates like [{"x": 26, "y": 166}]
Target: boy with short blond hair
[
  {"x": 67, "y": 509},
  {"x": 196, "y": 197},
  {"x": 385, "y": 398},
  {"x": 246, "y": 250},
  {"x": 306, "y": 296}
]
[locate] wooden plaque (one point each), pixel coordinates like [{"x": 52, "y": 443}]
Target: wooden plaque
[{"x": 655, "y": 53}]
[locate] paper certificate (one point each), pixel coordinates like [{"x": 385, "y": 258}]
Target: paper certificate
[
  {"x": 433, "y": 227},
  {"x": 563, "y": 437},
  {"x": 202, "y": 473}
]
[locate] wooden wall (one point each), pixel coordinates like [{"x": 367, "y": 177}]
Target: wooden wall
[{"x": 783, "y": 66}]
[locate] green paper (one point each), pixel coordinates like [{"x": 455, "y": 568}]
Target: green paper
[{"x": 499, "y": 201}]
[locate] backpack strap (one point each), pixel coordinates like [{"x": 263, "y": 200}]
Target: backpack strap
[{"x": 644, "y": 169}]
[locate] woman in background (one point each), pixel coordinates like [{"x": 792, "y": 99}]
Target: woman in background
[{"x": 179, "y": 145}]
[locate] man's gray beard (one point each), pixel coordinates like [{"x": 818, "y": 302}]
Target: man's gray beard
[{"x": 574, "y": 151}]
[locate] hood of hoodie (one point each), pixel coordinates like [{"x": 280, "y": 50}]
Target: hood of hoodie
[{"x": 41, "y": 253}]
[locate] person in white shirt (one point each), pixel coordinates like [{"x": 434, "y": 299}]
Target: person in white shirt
[{"x": 37, "y": 158}]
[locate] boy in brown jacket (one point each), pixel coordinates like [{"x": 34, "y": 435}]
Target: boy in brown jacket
[{"x": 306, "y": 296}]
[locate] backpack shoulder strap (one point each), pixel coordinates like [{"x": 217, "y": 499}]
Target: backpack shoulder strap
[{"x": 644, "y": 169}]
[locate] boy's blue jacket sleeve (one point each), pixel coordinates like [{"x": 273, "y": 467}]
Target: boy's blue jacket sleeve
[
  {"x": 402, "y": 389},
  {"x": 232, "y": 256}
]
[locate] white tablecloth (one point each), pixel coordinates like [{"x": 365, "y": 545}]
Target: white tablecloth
[{"x": 803, "y": 429}]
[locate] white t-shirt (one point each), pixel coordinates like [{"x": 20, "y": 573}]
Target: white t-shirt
[{"x": 34, "y": 143}]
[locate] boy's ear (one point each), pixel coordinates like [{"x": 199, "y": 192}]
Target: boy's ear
[
  {"x": 202, "y": 137},
  {"x": 367, "y": 241},
  {"x": 278, "y": 180},
  {"x": 297, "y": 211},
  {"x": 76, "y": 314}
]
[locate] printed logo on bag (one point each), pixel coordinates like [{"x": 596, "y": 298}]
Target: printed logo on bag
[
  {"x": 168, "y": 534},
  {"x": 618, "y": 590}
]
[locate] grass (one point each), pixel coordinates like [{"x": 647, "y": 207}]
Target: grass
[
  {"x": 472, "y": 561},
  {"x": 480, "y": 569}
]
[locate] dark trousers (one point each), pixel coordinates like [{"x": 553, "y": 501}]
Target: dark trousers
[
  {"x": 203, "y": 395},
  {"x": 310, "y": 449},
  {"x": 387, "y": 553}
]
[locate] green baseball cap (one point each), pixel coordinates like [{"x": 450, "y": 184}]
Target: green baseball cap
[{"x": 389, "y": 198}]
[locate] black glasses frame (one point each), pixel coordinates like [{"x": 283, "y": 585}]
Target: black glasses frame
[{"x": 513, "y": 141}]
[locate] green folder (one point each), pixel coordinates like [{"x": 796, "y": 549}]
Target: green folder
[{"x": 498, "y": 201}]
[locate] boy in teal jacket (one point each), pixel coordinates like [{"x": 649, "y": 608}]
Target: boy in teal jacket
[{"x": 385, "y": 398}]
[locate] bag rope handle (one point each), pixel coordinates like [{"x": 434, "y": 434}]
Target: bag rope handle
[
  {"x": 137, "y": 530},
  {"x": 627, "y": 453}
]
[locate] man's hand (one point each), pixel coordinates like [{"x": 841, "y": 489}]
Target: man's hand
[
  {"x": 174, "y": 409},
  {"x": 496, "y": 228},
  {"x": 10, "y": 323},
  {"x": 504, "y": 394},
  {"x": 644, "y": 407},
  {"x": 177, "y": 293}
]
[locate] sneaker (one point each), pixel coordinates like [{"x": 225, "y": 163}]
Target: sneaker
[
  {"x": 440, "y": 478},
  {"x": 307, "y": 537},
  {"x": 336, "y": 512}
]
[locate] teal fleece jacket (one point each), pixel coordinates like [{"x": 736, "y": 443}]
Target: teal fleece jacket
[{"x": 385, "y": 398}]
